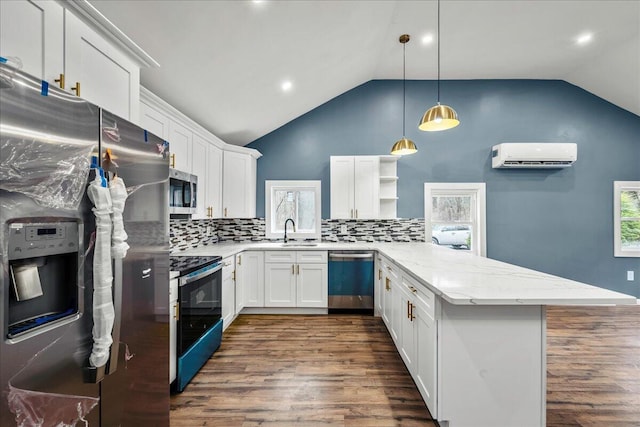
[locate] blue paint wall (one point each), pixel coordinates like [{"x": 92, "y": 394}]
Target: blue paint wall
[{"x": 556, "y": 221}]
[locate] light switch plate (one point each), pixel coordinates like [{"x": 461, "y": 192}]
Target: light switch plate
[{"x": 630, "y": 275}]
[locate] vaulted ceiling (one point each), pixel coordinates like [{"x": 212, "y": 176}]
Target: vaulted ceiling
[{"x": 223, "y": 63}]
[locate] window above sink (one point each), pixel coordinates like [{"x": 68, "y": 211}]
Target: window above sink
[{"x": 298, "y": 200}]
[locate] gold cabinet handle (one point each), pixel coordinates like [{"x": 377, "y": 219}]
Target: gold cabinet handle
[
  {"x": 293, "y": 269},
  {"x": 356, "y": 213},
  {"x": 414, "y": 290},
  {"x": 60, "y": 81},
  {"x": 239, "y": 259},
  {"x": 387, "y": 284},
  {"x": 233, "y": 275},
  {"x": 351, "y": 213},
  {"x": 76, "y": 88},
  {"x": 379, "y": 274},
  {"x": 172, "y": 164},
  {"x": 411, "y": 316},
  {"x": 408, "y": 310},
  {"x": 210, "y": 211},
  {"x": 225, "y": 212},
  {"x": 298, "y": 269},
  {"x": 176, "y": 311}
]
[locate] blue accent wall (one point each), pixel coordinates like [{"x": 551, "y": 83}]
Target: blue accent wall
[{"x": 557, "y": 221}]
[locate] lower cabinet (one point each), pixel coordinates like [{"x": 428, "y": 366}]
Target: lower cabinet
[
  {"x": 173, "y": 328},
  {"x": 296, "y": 279},
  {"x": 228, "y": 291},
  {"x": 409, "y": 312},
  {"x": 249, "y": 279}
]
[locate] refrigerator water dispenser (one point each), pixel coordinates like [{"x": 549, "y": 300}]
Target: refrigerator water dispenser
[{"x": 43, "y": 267}]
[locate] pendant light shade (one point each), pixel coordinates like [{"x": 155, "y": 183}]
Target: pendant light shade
[
  {"x": 404, "y": 146},
  {"x": 439, "y": 117}
]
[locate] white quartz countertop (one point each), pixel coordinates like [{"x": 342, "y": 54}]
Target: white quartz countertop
[{"x": 458, "y": 277}]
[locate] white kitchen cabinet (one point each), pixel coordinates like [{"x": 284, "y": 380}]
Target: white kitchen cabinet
[
  {"x": 34, "y": 32},
  {"x": 425, "y": 340},
  {"x": 228, "y": 291},
  {"x": 296, "y": 279},
  {"x": 173, "y": 328},
  {"x": 52, "y": 41},
  {"x": 105, "y": 75},
  {"x": 180, "y": 146},
  {"x": 250, "y": 279},
  {"x": 355, "y": 187},
  {"x": 391, "y": 299},
  {"x": 199, "y": 168},
  {"x": 154, "y": 121},
  {"x": 238, "y": 185},
  {"x": 213, "y": 187}
]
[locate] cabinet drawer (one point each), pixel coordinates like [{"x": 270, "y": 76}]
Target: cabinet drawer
[
  {"x": 423, "y": 296},
  {"x": 389, "y": 269},
  {"x": 280, "y": 256},
  {"x": 311, "y": 256}
]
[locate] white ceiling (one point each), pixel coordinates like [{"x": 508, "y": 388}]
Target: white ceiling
[{"x": 222, "y": 62}]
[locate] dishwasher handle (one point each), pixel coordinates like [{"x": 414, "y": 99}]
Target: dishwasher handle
[{"x": 350, "y": 256}]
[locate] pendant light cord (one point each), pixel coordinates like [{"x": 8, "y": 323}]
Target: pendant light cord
[
  {"x": 438, "y": 52},
  {"x": 404, "y": 87}
]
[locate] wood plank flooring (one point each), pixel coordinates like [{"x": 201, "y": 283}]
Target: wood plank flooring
[
  {"x": 593, "y": 366},
  {"x": 343, "y": 370},
  {"x": 338, "y": 370}
]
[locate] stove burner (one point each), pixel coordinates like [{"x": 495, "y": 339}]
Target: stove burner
[{"x": 187, "y": 264}]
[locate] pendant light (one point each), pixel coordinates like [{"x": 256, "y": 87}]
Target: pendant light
[
  {"x": 404, "y": 146},
  {"x": 439, "y": 117}
]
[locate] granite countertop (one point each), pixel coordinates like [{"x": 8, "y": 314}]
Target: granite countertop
[{"x": 458, "y": 277}]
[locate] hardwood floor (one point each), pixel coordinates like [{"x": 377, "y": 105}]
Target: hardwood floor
[
  {"x": 337, "y": 370},
  {"x": 345, "y": 371},
  {"x": 593, "y": 366}
]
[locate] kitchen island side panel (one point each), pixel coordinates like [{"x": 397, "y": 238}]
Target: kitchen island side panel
[{"x": 492, "y": 366}]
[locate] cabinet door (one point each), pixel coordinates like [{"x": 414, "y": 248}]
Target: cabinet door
[
  {"x": 180, "y": 142},
  {"x": 107, "y": 76},
  {"x": 34, "y": 32},
  {"x": 342, "y": 187},
  {"x": 154, "y": 121},
  {"x": 313, "y": 285},
  {"x": 250, "y": 274},
  {"x": 279, "y": 285},
  {"x": 366, "y": 187},
  {"x": 228, "y": 292},
  {"x": 396, "y": 310},
  {"x": 237, "y": 174},
  {"x": 238, "y": 285},
  {"x": 425, "y": 366},
  {"x": 213, "y": 189},
  {"x": 199, "y": 169},
  {"x": 378, "y": 288},
  {"x": 387, "y": 291},
  {"x": 406, "y": 344}
]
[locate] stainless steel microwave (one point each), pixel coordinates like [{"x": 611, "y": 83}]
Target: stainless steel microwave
[{"x": 183, "y": 192}]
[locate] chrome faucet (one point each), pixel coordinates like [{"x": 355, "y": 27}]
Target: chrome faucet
[{"x": 285, "y": 228}]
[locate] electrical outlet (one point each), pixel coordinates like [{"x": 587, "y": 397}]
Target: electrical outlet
[
  {"x": 209, "y": 230},
  {"x": 630, "y": 275},
  {"x": 343, "y": 228}
]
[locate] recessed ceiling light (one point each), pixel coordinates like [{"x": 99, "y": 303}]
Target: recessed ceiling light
[
  {"x": 286, "y": 85},
  {"x": 585, "y": 38},
  {"x": 427, "y": 39}
]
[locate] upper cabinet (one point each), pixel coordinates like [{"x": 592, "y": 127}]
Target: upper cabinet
[
  {"x": 359, "y": 190},
  {"x": 226, "y": 173},
  {"x": 98, "y": 62},
  {"x": 239, "y": 185}
]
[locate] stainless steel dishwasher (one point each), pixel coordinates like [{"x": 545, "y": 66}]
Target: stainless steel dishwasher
[{"x": 351, "y": 282}]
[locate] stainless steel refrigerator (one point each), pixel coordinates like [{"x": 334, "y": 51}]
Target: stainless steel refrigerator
[{"x": 47, "y": 140}]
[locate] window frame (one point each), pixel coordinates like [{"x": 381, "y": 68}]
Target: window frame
[
  {"x": 618, "y": 188},
  {"x": 476, "y": 190},
  {"x": 270, "y": 186}
]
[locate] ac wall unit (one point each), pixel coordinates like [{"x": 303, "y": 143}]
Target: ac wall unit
[{"x": 534, "y": 155}]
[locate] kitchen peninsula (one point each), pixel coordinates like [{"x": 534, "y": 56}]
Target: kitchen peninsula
[{"x": 471, "y": 330}]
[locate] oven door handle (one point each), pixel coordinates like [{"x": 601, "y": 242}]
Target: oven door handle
[{"x": 192, "y": 278}]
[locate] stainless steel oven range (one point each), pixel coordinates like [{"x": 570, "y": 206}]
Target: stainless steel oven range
[{"x": 199, "y": 329}]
